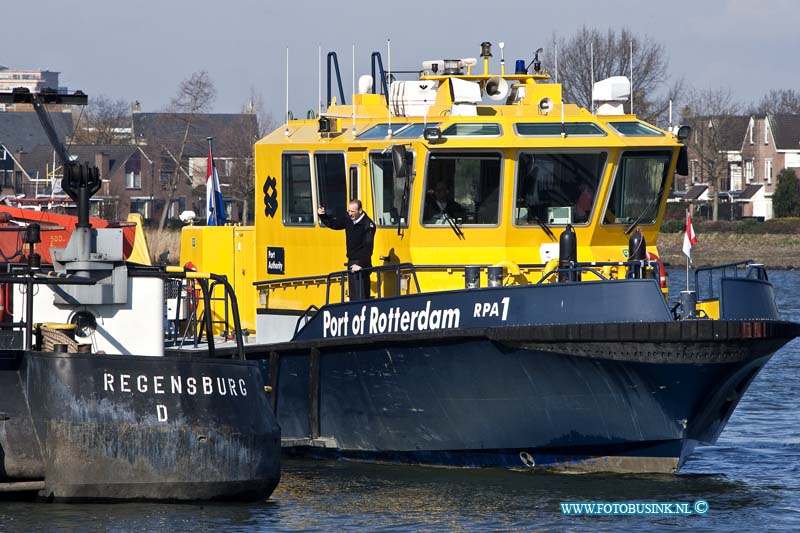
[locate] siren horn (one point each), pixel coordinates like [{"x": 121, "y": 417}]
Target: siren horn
[{"x": 496, "y": 88}]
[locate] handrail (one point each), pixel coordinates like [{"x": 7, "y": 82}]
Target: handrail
[
  {"x": 724, "y": 268},
  {"x": 376, "y": 58},
  {"x": 332, "y": 56},
  {"x": 310, "y": 308}
]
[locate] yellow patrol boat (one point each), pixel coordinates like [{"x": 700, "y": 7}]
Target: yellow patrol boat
[{"x": 517, "y": 314}]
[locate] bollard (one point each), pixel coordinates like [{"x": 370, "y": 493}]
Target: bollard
[
  {"x": 495, "y": 276},
  {"x": 688, "y": 304},
  {"x": 472, "y": 277}
]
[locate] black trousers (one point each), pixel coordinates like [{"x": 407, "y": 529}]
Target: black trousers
[{"x": 358, "y": 283}]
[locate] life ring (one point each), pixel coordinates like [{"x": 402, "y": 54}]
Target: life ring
[{"x": 659, "y": 266}]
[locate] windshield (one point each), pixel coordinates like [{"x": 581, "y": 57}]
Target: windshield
[
  {"x": 556, "y": 188},
  {"x": 638, "y": 187},
  {"x": 462, "y": 187}
]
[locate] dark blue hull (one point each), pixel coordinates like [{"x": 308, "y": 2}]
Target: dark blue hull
[
  {"x": 485, "y": 403},
  {"x": 501, "y": 378}
]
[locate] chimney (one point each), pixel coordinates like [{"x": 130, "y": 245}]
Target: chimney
[{"x": 136, "y": 107}]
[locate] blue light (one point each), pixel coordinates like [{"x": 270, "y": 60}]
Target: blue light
[{"x": 520, "y": 67}]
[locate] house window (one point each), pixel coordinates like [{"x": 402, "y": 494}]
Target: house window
[
  {"x": 750, "y": 130},
  {"x": 693, "y": 170},
  {"x": 766, "y": 132},
  {"x": 133, "y": 173},
  {"x": 133, "y": 180},
  {"x": 768, "y": 170},
  {"x": 748, "y": 171}
]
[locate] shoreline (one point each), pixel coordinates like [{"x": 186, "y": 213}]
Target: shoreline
[{"x": 775, "y": 251}]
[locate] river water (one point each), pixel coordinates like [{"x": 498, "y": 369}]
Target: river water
[{"x": 750, "y": 479}]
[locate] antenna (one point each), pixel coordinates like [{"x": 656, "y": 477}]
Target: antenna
[
  {"x": 286, "y": 116},
  {"x": 631, "y": 76},
  {"x": 591, "y": 68},
  {"x": 389, "y": 76},
  {"x": 670, "y": 113},
  {"x": 353, "y": 106},
  {"x": 556, "y": 47},
  {"x": 319, "y": 80}
]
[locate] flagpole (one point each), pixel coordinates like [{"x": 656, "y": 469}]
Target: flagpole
[
  {"x": 687, "y": 257},
  {"x": 210, "y": 172}
]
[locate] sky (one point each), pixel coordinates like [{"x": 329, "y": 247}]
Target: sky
[{"x": 142, "y": 50}]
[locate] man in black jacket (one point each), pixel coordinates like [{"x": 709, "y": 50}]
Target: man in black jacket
[{"x": 359, "y": 231}]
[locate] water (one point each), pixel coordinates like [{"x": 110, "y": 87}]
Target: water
[{"x": 751, "y": 480}]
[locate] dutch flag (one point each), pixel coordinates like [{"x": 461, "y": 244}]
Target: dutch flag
[{"x": 215, "y": 206}]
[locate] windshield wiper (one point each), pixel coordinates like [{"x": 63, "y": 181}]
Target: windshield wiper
[
  {"x": 454, "y": 225},
  {"x": 643, "y": 213},
  {"x": 544, "y": 227}
]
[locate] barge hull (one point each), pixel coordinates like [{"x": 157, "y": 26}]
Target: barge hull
[{"x": 140, "y": 428}]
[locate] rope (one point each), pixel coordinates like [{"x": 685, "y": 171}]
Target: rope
[{"x": 51, "y": 337}]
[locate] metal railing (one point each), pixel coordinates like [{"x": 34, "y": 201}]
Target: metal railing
[{"x": 706, "y": 278}]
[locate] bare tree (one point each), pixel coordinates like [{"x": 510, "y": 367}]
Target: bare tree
[
  {"x": 196, "y": 94},
  {"x": 712, "y": 114},
  {"x": 255, "y": 104},
  {"x": 239, "y": 143},
  {"x": 778, "y": 102},
  {"x": 104, "y": 121},
  {"x": 612, "y": 57}
]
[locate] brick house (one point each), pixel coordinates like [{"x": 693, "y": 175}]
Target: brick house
[
  {"x": 161, "y": 136},
  {"x": 746, "y": 153},
  {"x": 135, "y": 177}
]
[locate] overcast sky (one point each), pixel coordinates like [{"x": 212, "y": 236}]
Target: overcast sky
[{"x": 141, "y": 50}]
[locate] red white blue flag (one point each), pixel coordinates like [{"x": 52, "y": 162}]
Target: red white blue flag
[{"x": 215, "y": 206}]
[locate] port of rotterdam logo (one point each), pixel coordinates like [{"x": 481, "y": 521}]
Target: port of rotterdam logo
[{"x": 270, "y": 196}]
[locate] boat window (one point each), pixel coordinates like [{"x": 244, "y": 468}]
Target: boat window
[
  {"x": 399, "y": 131},
  {"x": 391, "y": 205},
  {"x": 464, "y": 187},
  {"x": 472, "y": 129},
  {"x": 551, "y": 129},
  {"x": 297, "y": 202},
  {"x": 557, "y": 188},
  {"x": 412, "y": 131},
  {"x": 638, "y": 187},
  {"x": 331, "y": 184},
  {"x": 635, "y": 129}
]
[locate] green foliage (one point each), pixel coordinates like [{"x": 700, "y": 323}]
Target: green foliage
[
  {"x": 673, "y": 226},
  {"x": 786, "y": 199},
  {"x": 782, "y": 226}
]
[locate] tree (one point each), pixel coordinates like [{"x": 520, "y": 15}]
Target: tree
[
  {"x": 778, "y": 102},
  {"x": 786, "y": 199},
  {"x": 712, "y": 114},
  {"x": 240, "y": 143},
  {"x": 196, "y": 94},
  {"x": 104, "y": 121},
  {"x": 612, "y": 57}
]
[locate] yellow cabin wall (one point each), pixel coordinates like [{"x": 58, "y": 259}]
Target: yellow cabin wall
[{"x": 314, "y": 250}]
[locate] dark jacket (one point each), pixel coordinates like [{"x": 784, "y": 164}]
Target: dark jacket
[
  {"x": 432, "y": 210},
  {"x": 360, "y": 238}
]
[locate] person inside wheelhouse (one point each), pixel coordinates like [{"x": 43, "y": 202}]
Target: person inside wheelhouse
[
  {"x": 557, "y": 188},
  {"x": 463, "y": 185}
]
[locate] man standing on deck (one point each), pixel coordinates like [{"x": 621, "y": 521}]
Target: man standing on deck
[{"x": 359, "y": 231}]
